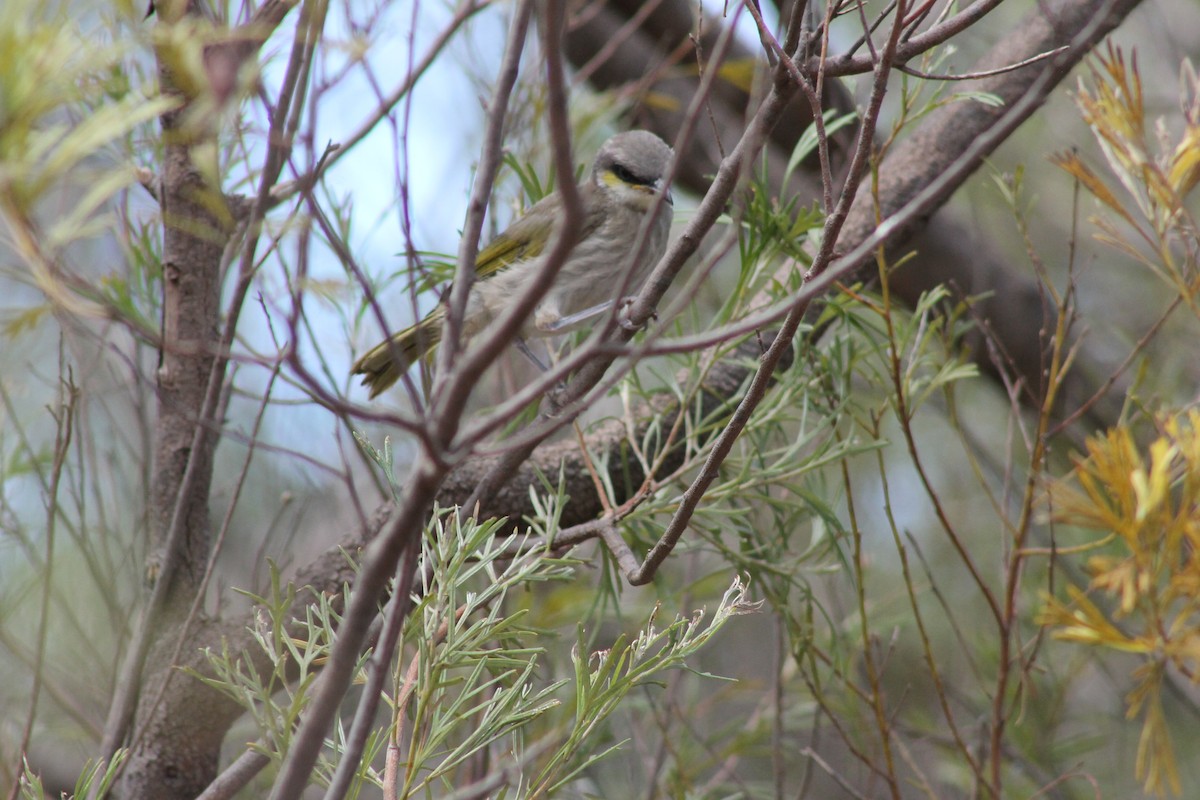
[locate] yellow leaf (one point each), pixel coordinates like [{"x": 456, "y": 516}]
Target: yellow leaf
[
  {"x": 739, "y": 72},
  {"x": 661, "y": 101},
  {"x": 1184, "y": 171},
  {"x": 1150, "y": 487},
  {"x": 1085, "y": 623},
  {"x": 1091, "y": 181},
  {"x": 25, "y": 320}
]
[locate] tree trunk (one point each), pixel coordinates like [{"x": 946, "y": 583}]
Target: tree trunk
[{"x": 176, "y": 742}]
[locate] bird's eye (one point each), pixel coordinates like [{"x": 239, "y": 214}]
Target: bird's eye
[{"x": 626, "y": 176}]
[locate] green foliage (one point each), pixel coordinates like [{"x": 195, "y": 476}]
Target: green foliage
[
  {"x": 474, "y": 658},
  {"x": 532, "y": 186},
  {"x": 467, "y": 677},
  {"x": 96, "y": 780},
  {"x": 67, "y": 113},
  {"x": 604, "y": 679},
  {"x": 437, "y": 271},
  {"x": 771, "y": 227},
  {"x": 919, "y": 97},
  {"x": 292, "y": 650},
  {"x": 57, "y": 110},
  {"x": 136, "y": 295}
]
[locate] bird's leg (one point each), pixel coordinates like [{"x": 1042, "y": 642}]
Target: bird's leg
[
  {"x": 569, "y": 322},
  {"x": 523, "y": 346}
]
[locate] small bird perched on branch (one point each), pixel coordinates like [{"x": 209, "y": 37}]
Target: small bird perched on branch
[{"x": 626, "y": 179}]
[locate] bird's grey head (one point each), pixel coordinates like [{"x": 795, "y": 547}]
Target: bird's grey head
[{"x": 634, "y": 161}]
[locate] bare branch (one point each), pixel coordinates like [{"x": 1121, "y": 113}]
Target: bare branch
[{"x": 236, "y": 776}]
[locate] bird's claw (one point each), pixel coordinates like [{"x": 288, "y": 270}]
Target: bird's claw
[{"x": 623, "y": 315}]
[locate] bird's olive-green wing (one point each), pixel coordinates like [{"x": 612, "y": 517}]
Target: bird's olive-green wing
[
  {"x": 524, "y": 239},
  {"x": 527, "y": 237}
]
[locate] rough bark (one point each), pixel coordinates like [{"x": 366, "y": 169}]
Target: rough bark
[{"x": 175, "y": 755}]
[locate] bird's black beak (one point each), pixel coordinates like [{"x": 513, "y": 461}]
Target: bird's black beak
[{"x": 666, "y": 192}]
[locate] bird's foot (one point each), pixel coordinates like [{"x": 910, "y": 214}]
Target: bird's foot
[{"x": 626, "y": 303}]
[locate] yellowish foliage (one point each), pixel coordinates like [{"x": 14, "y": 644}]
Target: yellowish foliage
[
  {"x": 1073, "y": 164},
  {"x": 740, "y": 72},
  {"x": 661, "y": 101},
  {"x": 1157, "y": 170},
  {"x": 1147, "y": 505}
]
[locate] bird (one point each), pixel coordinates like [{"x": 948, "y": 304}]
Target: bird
[{"x": 627, "y": 178}]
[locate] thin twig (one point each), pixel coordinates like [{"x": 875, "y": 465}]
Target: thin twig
[
  {"x": 485, "y": 176},
  {"x": 236, "y": 776},
  {"x": 1138, "y": 349},
  {"x": 315, "y": 388},
  {"x": 843, "y": 66},
  {"x": 931, "y": 665},
  {"x": 815, "y": 757},
  {"x": 627, "y": 30},
  {"x": 384, "y": 107},
  {"x": 64, "y": 419},
  {"x": 986, "y": 73}
]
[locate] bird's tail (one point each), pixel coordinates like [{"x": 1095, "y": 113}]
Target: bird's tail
[{"x": 383, "y": 364}]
